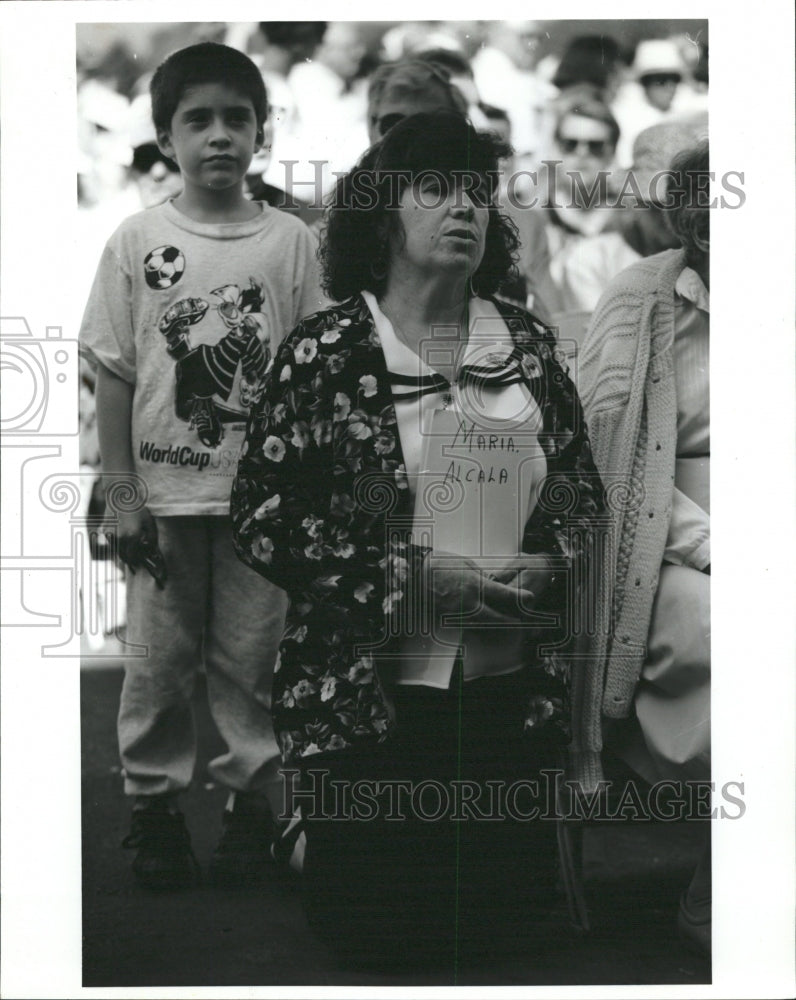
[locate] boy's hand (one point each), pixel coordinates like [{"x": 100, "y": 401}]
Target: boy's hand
[{"x": 136, "y": 536}]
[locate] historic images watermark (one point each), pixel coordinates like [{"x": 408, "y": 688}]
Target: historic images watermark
[
  {"x": 610, "y": 189},
  {"x": 317, "y": 795}
]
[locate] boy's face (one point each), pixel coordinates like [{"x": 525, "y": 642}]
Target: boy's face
[{"x": 213, "y": 136}]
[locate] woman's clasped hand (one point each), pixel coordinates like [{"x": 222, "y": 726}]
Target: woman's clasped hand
[{"x": 458, "y": 588}]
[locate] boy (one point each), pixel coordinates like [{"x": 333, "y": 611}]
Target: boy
[{"x": 190, "y": 300}]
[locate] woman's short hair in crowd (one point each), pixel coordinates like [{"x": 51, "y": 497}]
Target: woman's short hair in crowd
[
  {"x": 585, "y": 102},
  {"x": 207, "y": 62},
  {"x": 362, "y": 214},
  {"x": 688, "y": 199}
]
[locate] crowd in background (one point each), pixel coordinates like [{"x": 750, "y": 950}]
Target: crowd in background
[
  {"x": 574, "y": 128},
  {"x": 581, "y": 102},
  {"x": 317, "y": 75},
  {"x": 569, "y": 105}
]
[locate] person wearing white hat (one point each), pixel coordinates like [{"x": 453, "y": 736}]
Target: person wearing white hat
[{"x": 658, "y": 70}]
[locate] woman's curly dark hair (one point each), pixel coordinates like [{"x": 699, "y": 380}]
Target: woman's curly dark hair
[{"x": 363, "y": 213}]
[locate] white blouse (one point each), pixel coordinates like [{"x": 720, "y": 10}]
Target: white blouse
[{"x": 428, "y": 661}]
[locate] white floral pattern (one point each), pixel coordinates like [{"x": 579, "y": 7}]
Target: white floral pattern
[{"x": 324, "y": 473}]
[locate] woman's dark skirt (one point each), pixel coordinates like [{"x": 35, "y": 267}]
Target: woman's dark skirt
[{"x": 426, "y": 846}]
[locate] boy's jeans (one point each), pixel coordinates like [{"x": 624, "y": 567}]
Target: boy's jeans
[{"x": 213, "y": 611}]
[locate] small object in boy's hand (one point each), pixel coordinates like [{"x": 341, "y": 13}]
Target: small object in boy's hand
[{"x": 155, "y": 565}]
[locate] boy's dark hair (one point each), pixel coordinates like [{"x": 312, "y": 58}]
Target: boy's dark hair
[{"x": 207, "y": 62}]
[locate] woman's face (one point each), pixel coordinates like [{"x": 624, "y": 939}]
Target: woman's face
[{"x": 444, "y": 225}]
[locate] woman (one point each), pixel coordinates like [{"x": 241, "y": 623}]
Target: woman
[
  {"x": 328, "y": 485},
  {"x": 644, "y": 373}
]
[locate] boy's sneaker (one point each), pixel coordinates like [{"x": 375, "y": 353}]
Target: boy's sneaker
[
  {"x": 243, "y": 854},
  {"x": 164, "y": 859}
]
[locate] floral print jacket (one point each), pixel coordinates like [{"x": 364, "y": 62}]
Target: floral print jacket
[{"x": 321, "y": 507}]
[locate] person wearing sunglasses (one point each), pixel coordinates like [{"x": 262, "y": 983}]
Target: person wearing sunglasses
[
  {"x": 156, "y": 177},
  {"x": 641, "y": 228},
  {"x": 578, "y": 181}
]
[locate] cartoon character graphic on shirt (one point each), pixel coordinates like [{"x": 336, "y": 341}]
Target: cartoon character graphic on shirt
[{"x": 206, "y": 373}]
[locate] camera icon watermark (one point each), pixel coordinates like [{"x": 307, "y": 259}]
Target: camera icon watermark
[
  {"x": 37, "y": 395},
  {"x": 55, "y": 576}
]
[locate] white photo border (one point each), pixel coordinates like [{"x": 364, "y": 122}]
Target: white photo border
[{"x": 752, "y": 408}]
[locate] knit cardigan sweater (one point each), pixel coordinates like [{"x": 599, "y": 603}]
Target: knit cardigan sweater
[{"x": 627, "y": 385}]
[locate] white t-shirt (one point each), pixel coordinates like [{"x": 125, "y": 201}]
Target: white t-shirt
[{"x": 190, "y": 313}]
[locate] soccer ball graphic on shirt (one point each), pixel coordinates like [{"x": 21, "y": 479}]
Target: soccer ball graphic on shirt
[{"x": 163, "y": 267}]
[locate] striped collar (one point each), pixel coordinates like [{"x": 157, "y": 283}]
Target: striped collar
[{"x": 490, "y": 358}]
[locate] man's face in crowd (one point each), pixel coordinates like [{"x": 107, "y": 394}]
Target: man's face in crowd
[
  {"x": 660, "y": 89},
  {"x": 585, "y": 147}
]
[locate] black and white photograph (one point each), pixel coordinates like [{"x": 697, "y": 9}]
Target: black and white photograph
[{"x": 357, "y": 552}]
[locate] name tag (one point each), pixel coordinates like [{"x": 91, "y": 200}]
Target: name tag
[{"x": 477, "y": 483}]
